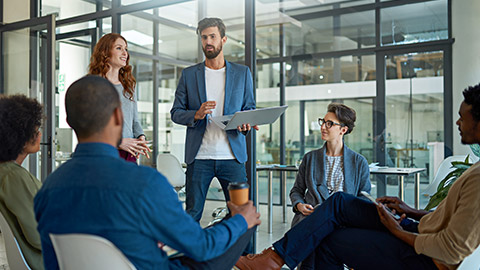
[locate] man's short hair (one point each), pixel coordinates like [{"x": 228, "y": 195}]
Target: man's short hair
[
  {"x": 472, "y": 97},
  {"x": 20, "y": 119},
  {"x": 211, "y": 22},
  {"x": 90, "y": 102}
]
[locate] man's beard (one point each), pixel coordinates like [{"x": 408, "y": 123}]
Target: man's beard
[
  {"x": 214, "y": 53},
  {"x": 472, "y": 139}
]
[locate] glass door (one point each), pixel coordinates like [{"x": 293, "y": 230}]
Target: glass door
[
  {"x": 27, "y": 67},
  {"x": 414, "y": 112},
  {"x": 73, "y": 51}
]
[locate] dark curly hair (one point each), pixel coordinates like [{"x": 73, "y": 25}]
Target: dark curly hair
[
  {"x": 20, "y": 118},
  {"x": 99, "y": 63},
  {"x": 472, "y": 97},
  {"x": 345, "y": 115}
]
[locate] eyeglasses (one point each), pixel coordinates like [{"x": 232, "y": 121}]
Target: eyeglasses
[{"x": 328, "y": 123}]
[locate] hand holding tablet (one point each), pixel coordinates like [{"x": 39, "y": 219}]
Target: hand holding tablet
[{"x": 368, "y": 196}]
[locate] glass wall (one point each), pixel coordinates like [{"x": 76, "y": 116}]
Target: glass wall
[
  {"x": 137, "y": 28},
  {"x": 414, "y": 110},
  {"x": 16, "y": 58},
  {"x": 330, "y": 54},
  {"x": 414, "y": 23},
  {"x": 70, "y": 8},
  {"x": 73, "y": 45}
]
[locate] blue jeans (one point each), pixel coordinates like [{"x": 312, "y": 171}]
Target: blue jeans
[
  {"x": 347, "y": 230},
  {"x": 199, "y": 176}
]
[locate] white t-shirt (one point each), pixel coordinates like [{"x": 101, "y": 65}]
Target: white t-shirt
[{"x": 215, "y": 143}]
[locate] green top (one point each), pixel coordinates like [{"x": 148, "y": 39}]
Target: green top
[{"x": 17, "y": 189}]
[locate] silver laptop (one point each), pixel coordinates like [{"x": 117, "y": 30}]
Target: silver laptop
[{"x": 253, "y": 117}]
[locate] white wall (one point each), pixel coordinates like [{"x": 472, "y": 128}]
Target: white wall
[{"x": 466, "y": 57}]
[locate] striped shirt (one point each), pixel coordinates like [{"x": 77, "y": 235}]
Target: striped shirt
[{"x": 334, "y": 171}]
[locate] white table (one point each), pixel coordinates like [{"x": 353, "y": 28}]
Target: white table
[{"x": 401, "y": 173}]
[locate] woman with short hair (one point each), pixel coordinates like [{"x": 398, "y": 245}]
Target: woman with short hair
[
  {"x": 110, "y": 59},
  {"x": 20, "y": 122},
  {"x": 332, "y": 168}
]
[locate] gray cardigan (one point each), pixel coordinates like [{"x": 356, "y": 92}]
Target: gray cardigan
[
  {"x": 131, "y": 123},
  {"x": 311, "y": 186}
]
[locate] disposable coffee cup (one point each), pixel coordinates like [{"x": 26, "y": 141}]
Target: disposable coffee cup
[{"x": 238, "y": 192}]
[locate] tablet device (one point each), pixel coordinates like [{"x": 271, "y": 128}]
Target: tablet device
[
  {"x": 253, "y": 117},
  {"x": 368, "y": 196}
]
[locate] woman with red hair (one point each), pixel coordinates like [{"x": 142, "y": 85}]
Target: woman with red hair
[{"x": 110, "y": 59}]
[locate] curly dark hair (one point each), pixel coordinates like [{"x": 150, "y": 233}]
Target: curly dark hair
[
  {"x": 345, "y": 115},
  {"x": 472, "y": 97},
  {"x": 211, "y": 22},
  {"x": 20, "y": 118}
]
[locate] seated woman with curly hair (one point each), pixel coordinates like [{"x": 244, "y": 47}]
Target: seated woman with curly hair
[{"x": 20, "y": 121}]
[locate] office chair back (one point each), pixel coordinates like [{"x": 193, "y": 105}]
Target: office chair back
[
  {"x": 171, "y": 168},
  {"x": 444, "y": 169},
  {"x": 14, "y": 253},
  {"x": 84, "y": 251}
]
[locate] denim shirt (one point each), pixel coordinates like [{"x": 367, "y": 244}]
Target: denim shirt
[{"x": 132, "y": 206}]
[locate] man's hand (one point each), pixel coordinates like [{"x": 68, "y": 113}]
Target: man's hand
[
  {"x": 305, "y": 208},
  {"x": 394, "y": 227},
  {"x": 401, "y": 207},
  {"x": 248, "y": 211},
  {"x": 205, "y": 108},
  {"x": 134, "y": 146},
  {"x": 246, "y": 127},
  {"x": 387, "y": 220}
]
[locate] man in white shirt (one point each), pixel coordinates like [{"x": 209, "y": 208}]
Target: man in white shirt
[{"x": 212, "y": 88}]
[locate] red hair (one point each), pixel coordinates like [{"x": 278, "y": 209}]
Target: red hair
[{"x": 99, "y": 63}]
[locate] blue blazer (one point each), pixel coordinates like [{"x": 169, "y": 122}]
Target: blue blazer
[
  {"x": 190, "y": 95},
  {"x": 311, "y": 184}
]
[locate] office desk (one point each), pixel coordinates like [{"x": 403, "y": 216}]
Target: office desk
[
  {"x": 401, "y": 173},
  {"x": 270, "y": 169}
]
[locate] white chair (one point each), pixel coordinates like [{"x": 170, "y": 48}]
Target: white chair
[
  {"x": 471, "y": 262},
  {"x": 172, "y": 169},
  {"x": 444, "y": 169},
  {"x": 14, "y": 253},
  {"x": 84, "y": 251}
]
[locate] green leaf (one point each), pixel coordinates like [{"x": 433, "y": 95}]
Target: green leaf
[
  {"x": 437, "y": 198},
  {"x": 475, "y": 149},
  {"x": 447, "y": 182},
  {"x": 462, "y": 165}
]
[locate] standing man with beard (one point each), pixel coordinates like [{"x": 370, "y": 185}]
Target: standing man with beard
[{"x": 212, "y": 88}]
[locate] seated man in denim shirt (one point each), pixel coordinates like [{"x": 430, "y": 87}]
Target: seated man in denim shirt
[{"x": 132, "y": 206}]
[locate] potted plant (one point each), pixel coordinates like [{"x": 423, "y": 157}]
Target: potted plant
[{"x": 447, "y": 182}]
